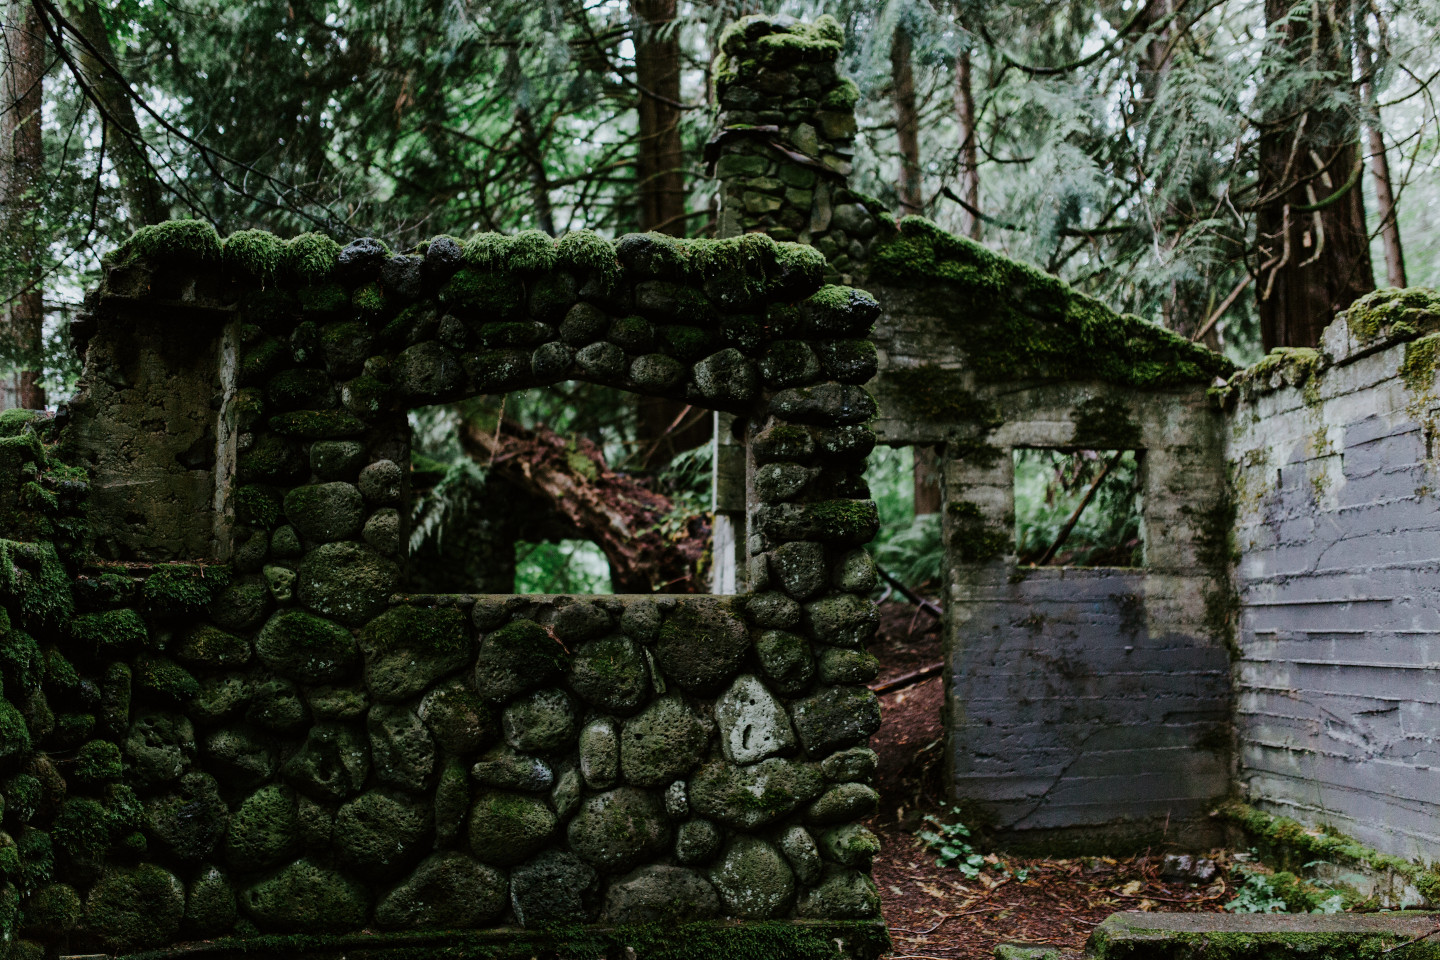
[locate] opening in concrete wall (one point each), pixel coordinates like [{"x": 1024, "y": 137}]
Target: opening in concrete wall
[
  {"x": 1079, "y": 508},
  {"x": 910, "y": 545}
]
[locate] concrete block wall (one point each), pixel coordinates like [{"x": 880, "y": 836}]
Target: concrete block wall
[{"x": 1338, "y": 538}]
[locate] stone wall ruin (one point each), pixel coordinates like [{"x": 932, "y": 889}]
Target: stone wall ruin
[{"x": 259, "y": 732}]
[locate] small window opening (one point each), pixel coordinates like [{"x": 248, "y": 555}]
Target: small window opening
[
  {"x": 561, "y": 566},
  {"x": 1079, "y": 508},
  {"x": 909, "y": 546}
]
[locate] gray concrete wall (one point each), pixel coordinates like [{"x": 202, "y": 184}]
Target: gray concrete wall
[
  {"x": 1338, "y": 529},
  {"x": 1089, "y": 708}
]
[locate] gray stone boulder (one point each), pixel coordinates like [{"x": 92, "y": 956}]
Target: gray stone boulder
[
  {"x": 447, "y": 891},
  {"x": 610, "y": 673},
  {"x": 502, "y": 767},
  {"x": 844, "y": 620},
  {"x": 660, "y": 894},
  {"x": 851, "y": 845},
  {"x": 753, "y": 724},
  {"x": 843, "y": 802},
  {"x": 542, "y": 722},
  {"x": 753, "y": 879},
  {"x": 402, "y": 751},
  {"x": 785, "y": 660},
  {"x": 305, "y": 647},
  {"x": 664, "y": 741},
  {"x": 381, "y": 831},
  {"x": 803, "y": 853},
  {"x": 619, "y": 829},
  {"x": 505, "y": 828},
  {"x": 210, "y": 902},
  {"x": 326, "y": 511},
  {"x": 696, "y": 841},
  {"x": 858, "y": 764},
  {"x": 843, "y": 894},
  {"x": 600, "y": 753},
  {"x": 554, "y": 887},
  {"x": 753, "y": 796},
  {"x": 406, "y": 649},
  {"x": 346, "y": 581},
  {"x": 264, "y": 829},
  {"x": 835, "y": 718},
  {"x": 517, "y": 658},
  {"x": 305, "y": 897},
  {"x": 457, "y": 717},
  {"x": 135, "y": 907},
  {"x": 189, "y": 821},
  {"x": 701, "y": 645}
]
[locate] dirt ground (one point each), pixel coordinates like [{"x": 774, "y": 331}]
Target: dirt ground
[{"x": 935, "y": 912}]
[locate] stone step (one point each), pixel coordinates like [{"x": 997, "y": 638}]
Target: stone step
[{"x": 1133, "y": 935}]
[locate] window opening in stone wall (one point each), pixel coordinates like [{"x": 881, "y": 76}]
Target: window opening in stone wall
[
  {"x": 1078, "y": 508},
  {"x": 502, "y": 484},
  {"x": 561, "y": 566}
]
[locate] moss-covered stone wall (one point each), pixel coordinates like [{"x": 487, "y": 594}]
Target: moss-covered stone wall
[
  {"x": 1087, "y": 709},
  {"x": 289, "y": 742}
]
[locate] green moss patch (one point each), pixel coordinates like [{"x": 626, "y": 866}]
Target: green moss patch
[
  {"x": 1393, "y": 314},
  {"x": 180, "y": 588},
  {"x": 111, "y": 630},
  {"x": 255, "y": 254},
  {"x": 184, "y": 241}
]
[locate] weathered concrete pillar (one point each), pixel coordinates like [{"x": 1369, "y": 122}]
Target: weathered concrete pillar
[{"x": 150, "y": 418}]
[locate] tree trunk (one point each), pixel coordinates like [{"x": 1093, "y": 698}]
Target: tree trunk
[
  {"x": 139, "y": 183},
  {"x": 1312, "y": 262},
  {"x": 907, "y": 123},
  {"x": 616, "y": 512},
  {"x": 927, "y": 481},
  {"x": 657, "y": 73},
  {"x": 1380, "y": 173},
  {"x": 21, "y": 181},
  {"x": 662, "y": 425},
  {"x": 531, "y": 148},
  {"x": 969, "y": 154}
]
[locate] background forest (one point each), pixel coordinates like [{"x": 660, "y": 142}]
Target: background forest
[{"x": 1233, "y": 169}]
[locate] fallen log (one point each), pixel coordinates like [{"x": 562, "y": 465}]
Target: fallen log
[{"x": 622, "y": 516}]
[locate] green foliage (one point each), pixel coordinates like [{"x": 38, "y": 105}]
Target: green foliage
[
  {"x": 564, "y": 566},
  {"x": 951, "y": 844},
  {"x": 1261, "y": 891},
  {"x": 1049, "y": 485},
  {"x": 254, "y": 253}
]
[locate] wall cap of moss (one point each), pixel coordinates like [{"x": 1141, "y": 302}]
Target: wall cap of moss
[{"x": 1019, "y": 323}]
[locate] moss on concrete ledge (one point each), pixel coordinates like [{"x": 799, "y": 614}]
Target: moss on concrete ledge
[
  {"x": 1291, "y": 844},
  {"x": 1280, "y": 368},
  {"x": 1022, "y": 324},
  {"x": 1393, "y": 314}
]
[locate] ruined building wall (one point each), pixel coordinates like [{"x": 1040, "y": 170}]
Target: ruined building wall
[
  {"x": 290, "y": 740},
  {"x": 1084, "y": 706},
  {"x": 1332, "y": 458}
]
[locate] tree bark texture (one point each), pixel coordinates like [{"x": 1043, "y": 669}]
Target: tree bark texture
[
  {"x": 139, "y": 182},
  {"x": 1311, "y": 262},
  {"x": 22, "y": 159},
  {"x": 1380, "y": 173},
  {"x": 616, "y": 512},
  {"x": 907, "y": 122},
  {"x": 969, "y": 154},
  {"x": 662, "y": 201}
]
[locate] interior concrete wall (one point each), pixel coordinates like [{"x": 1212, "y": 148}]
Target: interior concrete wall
[
  {"x": 1338, "y": 533},
  {"x": 1087, "y": 707}
]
